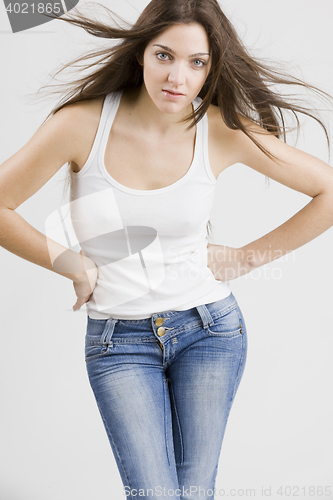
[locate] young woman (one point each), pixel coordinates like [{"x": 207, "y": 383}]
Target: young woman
[{"x": 174, "y": 104}]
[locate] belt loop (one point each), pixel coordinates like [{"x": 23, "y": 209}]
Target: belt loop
[
  {"x": 108, "y": 331},
  {"x": 207, "y": 320}
]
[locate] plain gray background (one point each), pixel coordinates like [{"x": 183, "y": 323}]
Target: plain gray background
[{"x": 52, "y": 440}]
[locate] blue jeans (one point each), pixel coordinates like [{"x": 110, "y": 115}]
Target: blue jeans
[{"x": 164, "y": 386}]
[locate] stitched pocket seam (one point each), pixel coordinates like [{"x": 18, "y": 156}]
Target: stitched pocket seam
[{"x": 222, "y": 314}]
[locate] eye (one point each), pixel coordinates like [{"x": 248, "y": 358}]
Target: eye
[
  {"x": 199, "y": 63},
  {"x": 162, "y": 56}
]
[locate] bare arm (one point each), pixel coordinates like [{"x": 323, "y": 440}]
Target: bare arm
[
  {"x": 295, "y": 169},
  {"x": 299, "y": 171},
  {"x": 21, "y": 176},
  {"x": 22, "y": 239}
]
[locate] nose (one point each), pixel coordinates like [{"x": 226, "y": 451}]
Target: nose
[{"x": 177, "y": 75}]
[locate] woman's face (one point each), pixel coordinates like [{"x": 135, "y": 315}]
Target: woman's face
[{"x": 175, "y": 66}]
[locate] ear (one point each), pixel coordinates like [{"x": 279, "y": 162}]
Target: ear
[{"x": 139, "y": 58}]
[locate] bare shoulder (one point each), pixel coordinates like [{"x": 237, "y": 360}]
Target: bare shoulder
[
  {"x": 221, "y": 129},
  {"x": 221, "y": 141},
  {"x": 82, "y": 112},
  {"x": 85, "y": 117},
  {"x": 288, "y": 165},
  {"x": 229, "y": 146},
  {"x": 67, "y": 136}
]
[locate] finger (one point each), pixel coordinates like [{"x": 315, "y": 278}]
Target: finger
[{"x": 77, "y": 305}]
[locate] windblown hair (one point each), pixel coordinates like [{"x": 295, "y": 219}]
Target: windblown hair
[{"x": 238, "y": 83}]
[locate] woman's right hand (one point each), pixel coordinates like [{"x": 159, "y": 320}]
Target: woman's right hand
[{"x": 85, "y": 284}]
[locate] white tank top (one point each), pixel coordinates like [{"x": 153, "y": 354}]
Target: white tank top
[{"x": 150, "y": 246}]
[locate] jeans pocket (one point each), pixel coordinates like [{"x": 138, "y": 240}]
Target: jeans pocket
[
  {"x": 226, "y": 325},
  {"x": 94, "y": 351},
  {"x": 98, "y": 338}
]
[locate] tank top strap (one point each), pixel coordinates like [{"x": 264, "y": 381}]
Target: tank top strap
[
  {"x": 92, "y": 160},
  {"x": 110, "y": 108},
  {"x": 202, "y": 143}
]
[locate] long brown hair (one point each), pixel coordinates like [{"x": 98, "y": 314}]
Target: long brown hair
[{"x": 238, "y": 83}]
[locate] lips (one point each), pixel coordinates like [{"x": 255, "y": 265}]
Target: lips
[
  {"x": 172, "y": 92},
  {"x": 172, "y": 95}
]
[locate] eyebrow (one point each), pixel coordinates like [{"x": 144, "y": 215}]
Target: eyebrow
[{"x": 172, "y": 52}]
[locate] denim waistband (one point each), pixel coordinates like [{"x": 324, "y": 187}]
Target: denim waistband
[{"x": 207, "y": 313}]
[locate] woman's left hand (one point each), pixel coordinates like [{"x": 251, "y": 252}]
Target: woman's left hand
[{"x": 226, "y": 263}]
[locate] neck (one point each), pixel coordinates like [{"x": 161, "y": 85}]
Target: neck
[{"x": 148, "y": 116}]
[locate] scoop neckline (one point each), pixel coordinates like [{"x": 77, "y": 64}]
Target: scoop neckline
[{"x": 145, "y": 192}]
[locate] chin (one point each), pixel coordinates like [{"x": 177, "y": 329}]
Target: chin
[{"x": 172, "y": 107}]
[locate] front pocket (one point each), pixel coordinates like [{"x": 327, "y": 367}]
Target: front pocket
[
  {"x": 95, "y": 330},
  {"x": 98, "y": 351},
  {"x": 98, "y": 339},
  {"x": 228, "y": 325},
  {"x": 95, "y": 351}
]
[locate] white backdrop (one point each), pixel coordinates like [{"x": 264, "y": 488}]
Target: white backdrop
[{"x": 52, "y": 440}]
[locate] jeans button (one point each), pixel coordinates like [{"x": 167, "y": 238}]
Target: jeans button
[
  {"x": 161, "y": 331},
  {"x": 159, "y": 321}
]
